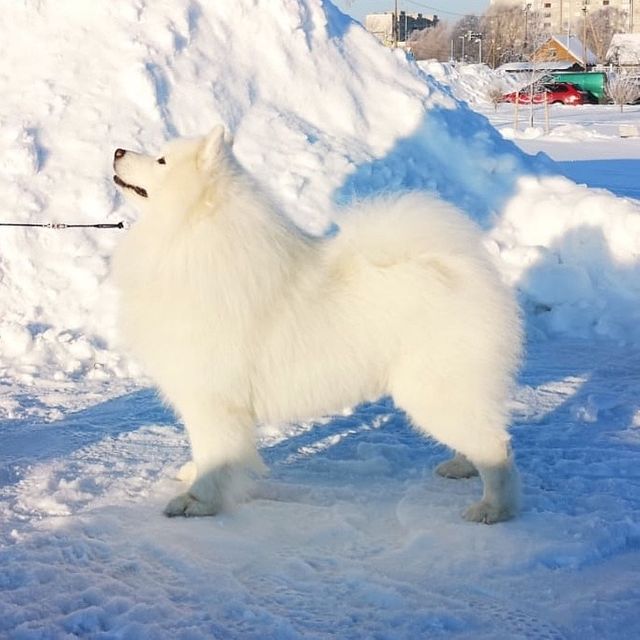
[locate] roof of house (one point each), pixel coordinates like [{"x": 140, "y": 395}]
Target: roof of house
[
  {"x": 574, "y": 46},
  {"x": 542, "y": 65},
  {"x": 624, "y": 49}
]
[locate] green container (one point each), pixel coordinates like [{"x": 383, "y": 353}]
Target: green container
[{"x": 592, "y": 81}]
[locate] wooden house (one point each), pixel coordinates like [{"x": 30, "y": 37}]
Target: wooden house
[{"x": 564, "y": 48}]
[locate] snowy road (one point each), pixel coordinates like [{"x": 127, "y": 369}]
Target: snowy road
[{"x": 350, "y": 536}]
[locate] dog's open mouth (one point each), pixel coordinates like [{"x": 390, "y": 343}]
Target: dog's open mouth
[{"x": 125, "y": 185}]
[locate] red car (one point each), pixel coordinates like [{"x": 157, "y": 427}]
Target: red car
[{"x": 553, "y": 93}]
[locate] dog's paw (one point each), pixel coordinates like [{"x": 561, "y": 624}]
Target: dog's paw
[
  {"x": 190, "y": 507},
  {"x": 456, "y": 468},
  {"x": 488, "y": 513}
]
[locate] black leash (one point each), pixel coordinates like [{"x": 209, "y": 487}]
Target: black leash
[{"x": 61, "y": 225}]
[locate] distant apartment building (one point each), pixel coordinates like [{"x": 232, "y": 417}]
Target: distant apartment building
[
  {"x": 381, "y": 25},
  {"x": 562, "y": 16}
]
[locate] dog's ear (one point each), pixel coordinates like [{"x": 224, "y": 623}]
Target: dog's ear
[{"x": 212, "y": 147}]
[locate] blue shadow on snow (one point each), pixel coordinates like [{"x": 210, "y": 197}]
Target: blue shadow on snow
[
  {"x": 611, "y": 174},
  {"x": 455, "y": 153},
  {"x": 24, "y": 443}
]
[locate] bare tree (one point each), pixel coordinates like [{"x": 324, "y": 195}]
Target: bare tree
[
  {"x": 622, "y": 89},
  {"x": 602, "y": 25},
  {"x": 494, "y": 92},
  {"x": 431, "y": 43},
  {"x": 460, "y": 36},
  {"x": 509, "y": 33}
]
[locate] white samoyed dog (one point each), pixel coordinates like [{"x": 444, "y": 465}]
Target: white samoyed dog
[{"x": 240, "y": 318}]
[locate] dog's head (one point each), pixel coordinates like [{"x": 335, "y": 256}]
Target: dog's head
[{"x": 178, "y": 177}]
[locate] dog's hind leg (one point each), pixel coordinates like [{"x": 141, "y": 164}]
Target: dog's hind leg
[
  {"x": 457, "y": 467},
  {"x": 501, "y": 495},
  {"x": 475, "y": 427},
  {"x": 480, "y": 451}
]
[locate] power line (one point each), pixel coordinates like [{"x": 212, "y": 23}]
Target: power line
[{"x": 439, "y": 11}]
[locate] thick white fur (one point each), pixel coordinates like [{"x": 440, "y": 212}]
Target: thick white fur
[{"x": 240, "y": 318}]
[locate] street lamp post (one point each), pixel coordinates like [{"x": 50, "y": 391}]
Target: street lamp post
[
  {"x": 584, "y": 32},
  {"x": 525, "y": 10},
  {"x": 476, "y": 37},
  {"x": 395, "y": 25}
]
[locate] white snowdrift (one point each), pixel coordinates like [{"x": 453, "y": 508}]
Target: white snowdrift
[
  {"x": 471, "y": 83},
  {"x": 321, "y": 113},
  {"x": 573, "y": 253}
]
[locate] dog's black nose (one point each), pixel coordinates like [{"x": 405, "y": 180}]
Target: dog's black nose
[{"x": 119, "y": 153}]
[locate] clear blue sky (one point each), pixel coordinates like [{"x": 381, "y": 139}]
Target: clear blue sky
[{"x": 449, "y": 10}]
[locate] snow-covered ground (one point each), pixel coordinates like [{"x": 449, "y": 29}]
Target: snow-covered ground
[
  {"x": 351, "y": 536},
  {"x": 585, "y": 142}
]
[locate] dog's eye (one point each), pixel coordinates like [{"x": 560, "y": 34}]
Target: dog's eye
[{"x": 162, "y": 161}]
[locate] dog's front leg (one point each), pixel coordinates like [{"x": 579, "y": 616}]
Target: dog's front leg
[
  {"x": 211, "y": 492},
  {"x": 225, "y": 458}
]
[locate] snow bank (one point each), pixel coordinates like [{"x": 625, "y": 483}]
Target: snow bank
[
  {"x": 471, "y": 83},
  {"x": 570, "y": 133},
  {"x": 573, "y": 253},
  {"x": 321, "y": 113}
]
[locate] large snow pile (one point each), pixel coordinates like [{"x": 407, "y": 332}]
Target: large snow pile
[{"x": 321, "y": 113}]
